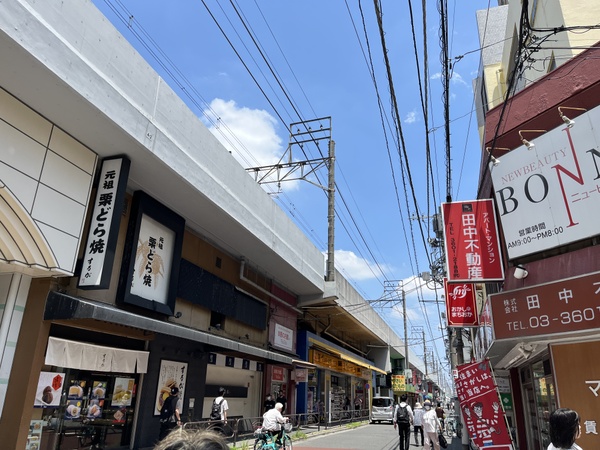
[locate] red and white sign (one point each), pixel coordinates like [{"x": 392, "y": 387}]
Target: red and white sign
[
  {"x": 278, "y": 374},
  {"x": 481, "y": 406},
  {"x": 547, "y": 195},
  {"x": 471, "y": 241},
  {"x": 461, "y": 307}
]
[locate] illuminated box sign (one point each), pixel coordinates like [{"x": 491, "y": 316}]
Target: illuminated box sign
[
  {"x": 547, "y": 196},
  {"x": 471, "y": 241},
  {"x": 461, "y": 309},
  {"x": 559, "y": 307}
]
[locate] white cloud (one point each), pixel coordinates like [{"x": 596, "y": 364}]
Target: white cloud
[
  {"x": 411, "y": 117},
  {"x": 354, "y": 267},
  {"x": 457, "y": 78},
  {"x": 250, "y": 135}
]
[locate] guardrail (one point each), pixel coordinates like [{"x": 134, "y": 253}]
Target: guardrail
[{"x": 243, "y": 428}]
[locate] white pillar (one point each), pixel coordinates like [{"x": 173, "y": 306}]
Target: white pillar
[{"x": 14, "y": 289}]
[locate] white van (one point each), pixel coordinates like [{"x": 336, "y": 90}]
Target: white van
[{"x": 382, "y": 409}]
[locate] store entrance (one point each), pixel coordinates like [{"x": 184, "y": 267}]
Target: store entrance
[{"x": 93, "y": 410}]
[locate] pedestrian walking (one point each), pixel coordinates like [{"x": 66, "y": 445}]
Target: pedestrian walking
[
  {"x": 431, "y": 426},
  {"x": 403, "y": 417},
  {"x": 170, "y": 413},
  {"x": 219, "y": 410},
  {"x": 418, "y": 413}
]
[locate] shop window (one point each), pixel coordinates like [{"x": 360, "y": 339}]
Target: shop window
[{"x": 90, "y": 409}]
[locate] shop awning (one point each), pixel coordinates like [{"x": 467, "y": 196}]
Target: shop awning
[
  {"x": 65, "y": 307},
  {"x": 85, "y": 356},
  {"x": 336, "y": 351},
  {"x": 302, "y": 363}
]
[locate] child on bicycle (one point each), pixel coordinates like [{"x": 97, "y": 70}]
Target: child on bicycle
[{"x": 272, "y": 421}]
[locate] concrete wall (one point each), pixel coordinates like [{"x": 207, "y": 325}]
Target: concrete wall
[{"x": 83, "y": 76}]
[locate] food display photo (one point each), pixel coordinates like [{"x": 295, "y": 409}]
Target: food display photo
[
  {"x": 73, "y": 410},
  {"x": 98, "y": 390},
  {"x": 122, "y": 392},
  {"x": 49, "y": 389},
  {"x": 76, "y": 390},
  {"x": 94, "y": 410}
]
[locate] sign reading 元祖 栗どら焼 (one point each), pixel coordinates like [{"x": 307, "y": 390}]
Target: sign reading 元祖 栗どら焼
[{"x": 104, "y": 225}]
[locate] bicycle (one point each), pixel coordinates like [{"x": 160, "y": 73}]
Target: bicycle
[
  {"x": 450, "y": 428},
  {"x": 266, "y": 440}
]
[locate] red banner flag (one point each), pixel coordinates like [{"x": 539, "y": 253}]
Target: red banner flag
[{"x": 481, "y": 406}]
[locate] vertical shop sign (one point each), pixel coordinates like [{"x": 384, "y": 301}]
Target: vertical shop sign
[
  {"x": 481, "y": 406},
  {"x": 398, "y": 383},
  {"x": 104, "y": 225},
  {"x": 471, "y": 241},
  {"x": 152, "y": 254},
  {"x": 461, "y": 308}
]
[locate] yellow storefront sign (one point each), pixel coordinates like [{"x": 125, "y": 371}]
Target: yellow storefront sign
[{"x": 398, "y": 383}]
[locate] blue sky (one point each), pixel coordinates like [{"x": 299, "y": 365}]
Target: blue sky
[{"x": 318, "y": 55}]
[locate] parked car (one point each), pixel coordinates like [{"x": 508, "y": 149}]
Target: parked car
[{"x": 382, "y": 409}]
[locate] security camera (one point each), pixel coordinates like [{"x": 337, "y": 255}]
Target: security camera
[{"x": 520, "y": 272}]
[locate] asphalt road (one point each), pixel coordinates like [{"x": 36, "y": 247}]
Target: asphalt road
[{"x": 372, "y": 437}]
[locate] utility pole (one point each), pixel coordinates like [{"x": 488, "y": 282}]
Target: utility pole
[
  {"x": 330, "y": 275},
  {"x": 406, "y": 365},
  {"x": 425, "y": 353},
  {"x": 288, "y": 169}
]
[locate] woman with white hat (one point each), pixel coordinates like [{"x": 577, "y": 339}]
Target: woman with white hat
[
  {"x": 431, "y": 425},
  {"x": 418, "y": 413}
]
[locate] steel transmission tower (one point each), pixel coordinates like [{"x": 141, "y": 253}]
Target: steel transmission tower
[{"x": 287, "y": 169}]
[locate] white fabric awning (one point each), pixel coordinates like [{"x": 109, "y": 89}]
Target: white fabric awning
[{"x": 84, "y": 356}]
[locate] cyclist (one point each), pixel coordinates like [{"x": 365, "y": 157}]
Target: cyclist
[{"x": 272, "y": 421}]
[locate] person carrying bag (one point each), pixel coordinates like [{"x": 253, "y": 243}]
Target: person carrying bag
[{"x": 431, "y": 427}]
